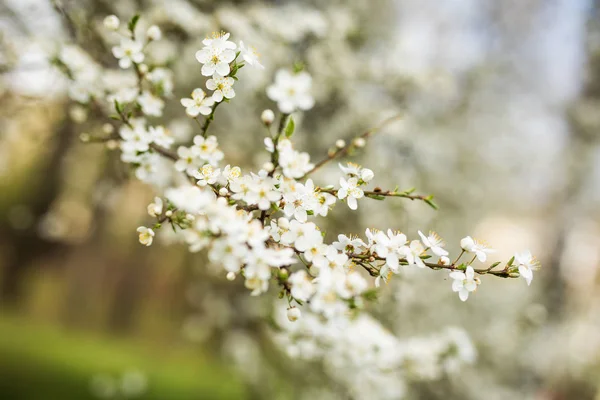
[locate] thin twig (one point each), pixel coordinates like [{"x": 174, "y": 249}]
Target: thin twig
[
  {"x": 452, "y": 267},
  {"x": 344, "y": 150}
]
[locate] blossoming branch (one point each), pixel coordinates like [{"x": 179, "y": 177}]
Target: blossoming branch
[{"x": 260, "y": 225}]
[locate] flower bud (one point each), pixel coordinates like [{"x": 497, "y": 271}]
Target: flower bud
[
  {"x": 283, "y": 223},
  {"x": 268, "y": 166},
  {"x": 112, "y": 22},
  {"x": 169, "y": 214},
  {"x": 231, "y": 276},
  {"x": 359, "y": 142},
  {"x": 444, "y": 260},
  {"x": 467, "y": 243},
  {"x": 143, "y": 68},
  {"x": 153, "y": 33},
  {"x": 267, "y": 117},
  {"x": 366, "y": 174},
  {"x": 293, "y": 314},
  {"x": 340, "y": 143},
  {"x": 223, "y": 192},
  {"x": 112, "y": 144},
  {"x": 108, "y": 128},
  {"x": 78, "y": 114}
]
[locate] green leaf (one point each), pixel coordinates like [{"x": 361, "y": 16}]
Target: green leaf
[
  {"x": 370, "y": 294},
  {"x": 290, "y": 127},
  {"x": 494, "y": 265},
  {"x": 375, "y": 196},
  {"x": 118, "y": 107},
  {"x": 133, "y": 23},
  {"x": 509, "y": 263},
  {"x": 425, "y": 257},
  {"x": 298, "y": 67},
  {"x": 429, "y": 201}
]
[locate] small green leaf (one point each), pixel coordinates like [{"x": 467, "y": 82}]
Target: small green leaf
[
  {"x": 133, "y": 23},
  {"x": 370, "y": 294},
  {"x": 425, "y": 257},
  {"x": 375, "y": 196},
  {"x": 494, "y": 265},
  {"x": 290, "y": 127},
  {"x": 509, "y": 263},
  {"x": 298, "y": 67},
  {"x": 429, "y": 201},
  {"x": 118, "y": 107}
]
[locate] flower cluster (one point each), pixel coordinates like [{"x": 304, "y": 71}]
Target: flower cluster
[
  {"x": 383, "y": 253},
  {"x": 369, "y": 359},
  {"x": 262, "y": 226},
  {"x": 294, "y": 164},
  {"x": 218, "y": 61}
]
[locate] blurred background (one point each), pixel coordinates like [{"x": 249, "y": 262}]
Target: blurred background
[{"x": 501, "y": 105}]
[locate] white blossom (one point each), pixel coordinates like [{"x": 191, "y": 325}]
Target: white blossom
[
  {"x": 291, "y": 91},
  {"x": 353, "y": 245},
  {"x": 250, "y": 55},
  {"x": 355, "y": 170},
  {"x": 151, "y": 104},
  {"x": 472, "y": 246},
  {"x": 207, "y": 149},
  {"x": 413, "y": 253},
  {"x": 163, "y": 78},
  {"x": 161, "y": 136},
  {"x": 198, "y": 104},
  {"x": 146, "y": 235},
  {"x": 302, "y": 287},
  {"x": 388, "y": 247},
  {"x": 526, "y": 264},
  {"x": 464, "y": 282},
  {"x": 222, "y": 86},
  {"x": 128, "y": 52},
  {"x": 434, "y": 242},
  {"x": 155, "y": 209},
  {"x": 350, "y": 191},
  {"x": 216, "y": 55},
  {"x": 207, "y": 175}
]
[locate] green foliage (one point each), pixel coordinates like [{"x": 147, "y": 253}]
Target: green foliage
[
  {"x": 133, "y": 23},
  {"x": 290, "y": 127},
  {"x": 41, "y": 363}
]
